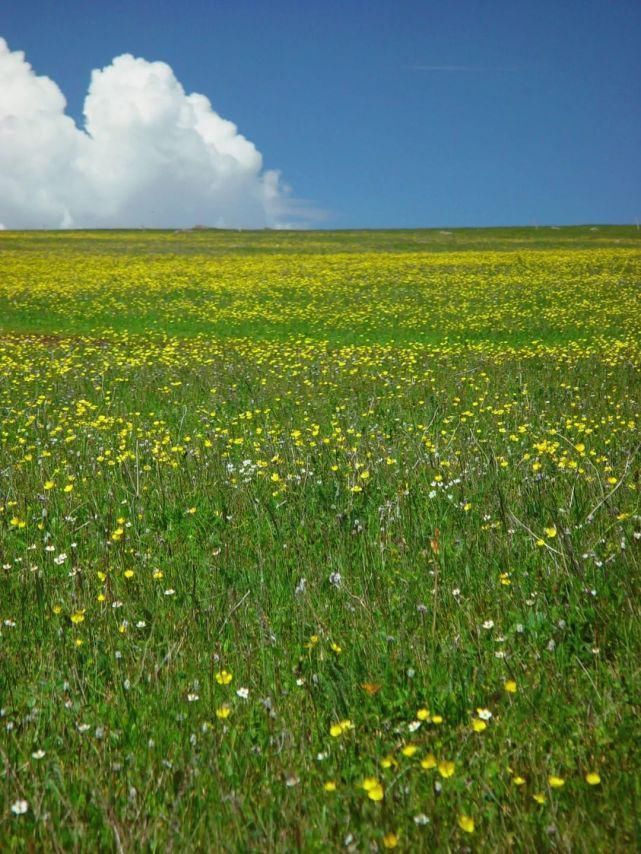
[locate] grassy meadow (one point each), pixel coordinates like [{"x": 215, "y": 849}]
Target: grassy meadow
[{"x": 320, "y": 542}]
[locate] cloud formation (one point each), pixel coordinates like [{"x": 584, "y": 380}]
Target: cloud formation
[{"x": 148, "y": 155}]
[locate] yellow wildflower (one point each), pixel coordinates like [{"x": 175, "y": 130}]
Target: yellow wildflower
[
  {"x": 341, "y": 727},
  {"x": 466, "y": 823},
  {"x": 446, "y": 768},
  {"x": 373, "y": 788}
]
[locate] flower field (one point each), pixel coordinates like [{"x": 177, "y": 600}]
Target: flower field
[{"x": 320, "y": 541}]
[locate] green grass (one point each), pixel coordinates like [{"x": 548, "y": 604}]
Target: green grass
[{"x": 320, "y": 462}]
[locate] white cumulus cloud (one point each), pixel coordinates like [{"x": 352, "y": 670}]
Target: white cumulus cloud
[{"x": 149, "y": 154}]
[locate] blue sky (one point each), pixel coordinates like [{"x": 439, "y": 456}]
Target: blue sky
[{"x": 392, "y": 114}]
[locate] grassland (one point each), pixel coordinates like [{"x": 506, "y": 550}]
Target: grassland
[{"x": 320, "y": 541}]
